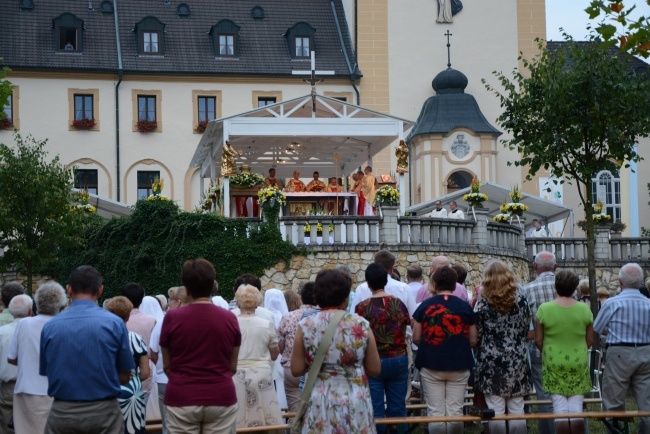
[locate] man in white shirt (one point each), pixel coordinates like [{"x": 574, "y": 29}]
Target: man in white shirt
[
  {"x": 19, "y": 307},
  {"x": 455, "y": 212},
  {"x": 439, "y": 212},
  {"x": 31, "y": 402},
  {"x": 394, "y": 287},
  {"x": 414, "y": 279}
]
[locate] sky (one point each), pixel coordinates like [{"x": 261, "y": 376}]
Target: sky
[{"x": 571, "y": 15}]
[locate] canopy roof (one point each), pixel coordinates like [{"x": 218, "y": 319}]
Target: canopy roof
[
  {"x": 335, "y": 140},
  {"x": 541, "y": 209}
]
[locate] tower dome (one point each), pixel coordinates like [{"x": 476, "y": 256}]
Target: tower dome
[{"x": 449, "y": 81}]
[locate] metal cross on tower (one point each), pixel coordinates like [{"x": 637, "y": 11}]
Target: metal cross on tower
[
  {"x": 313, "y": 81},
  {"x": 448, "y": 49}
]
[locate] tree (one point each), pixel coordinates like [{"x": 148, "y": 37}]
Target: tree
[
  {"x": 579, "y": 111},
  {"x": 36, "y": 219},
  {"x": 5, "y": 89},
  {"x": 635, "y": 38}
]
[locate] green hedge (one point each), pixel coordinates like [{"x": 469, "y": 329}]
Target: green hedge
[{"x": 150, "y": 246}]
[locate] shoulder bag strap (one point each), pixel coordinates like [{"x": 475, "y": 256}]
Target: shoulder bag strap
[{"x": 321, "y": 352}]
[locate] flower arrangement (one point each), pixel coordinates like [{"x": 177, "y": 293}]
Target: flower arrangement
[
  {"x": 617, "y": 227},
  {"x": 319, "y": 229},
  {"x": 145, "y": 126},
  {"x": 601, "y": 219},
  {"x": 214, "y": 191},
  {"x": 84, "y": 124},
  {"x": 514, "y": 207},
  {"x": 474, "y": 198},
  {"x": 83, "y": 197},
  {"x": 598, "y": 207},
  {"x": 156, "y": 189},
  {"x": 501, "y": 218},
  {"x": 201, "y": 126},
  {"x": 247, "y": 179},
  {"x": 387, "y": 195},
  {"x": 6, "y": 123},
  {"x": 271, "y": 196},
  {"x": 157, "y": 186},
  {"x": 206, "y": 204},
  {"x": 159, "y": 197}
]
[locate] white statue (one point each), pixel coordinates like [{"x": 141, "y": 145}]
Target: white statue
[{"x": 447, "y": 9}]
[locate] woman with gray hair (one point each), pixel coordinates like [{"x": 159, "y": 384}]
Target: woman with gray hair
[
  {"x": 31, "y": 402},
  {"x": 254, "y": 378}
]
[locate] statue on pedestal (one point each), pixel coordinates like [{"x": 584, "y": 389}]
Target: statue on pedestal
[
  {"x": 229, "y": 160},
  {"x": 402, "y": 154}
]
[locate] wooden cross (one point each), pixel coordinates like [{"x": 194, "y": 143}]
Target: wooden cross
[
  {"x": 313, "y": 81},
  {"x": 448, "y": 50}
]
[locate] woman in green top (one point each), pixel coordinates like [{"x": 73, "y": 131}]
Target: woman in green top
[{"x": 564, "y": 333}]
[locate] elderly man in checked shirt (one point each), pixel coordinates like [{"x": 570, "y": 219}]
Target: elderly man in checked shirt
[
  {"x": 537, "y": 292},
  {"x": 626, "y": 321}
]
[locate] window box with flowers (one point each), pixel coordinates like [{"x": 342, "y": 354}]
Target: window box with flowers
[
  {"x": 84, "y": 124},
  {"x": 145, "y": 126},
  {"x": 200, "y": 128},
  {"x": 6, "y": 123}
]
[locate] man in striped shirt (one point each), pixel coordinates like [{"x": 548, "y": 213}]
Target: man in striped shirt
[
  {"x": 626, "y": 321},
  {"x": 538, "y": 292}
]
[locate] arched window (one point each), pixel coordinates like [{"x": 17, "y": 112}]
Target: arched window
[
  {"x": 459, "y": 180},
  {"x": 606, "y": 187}
]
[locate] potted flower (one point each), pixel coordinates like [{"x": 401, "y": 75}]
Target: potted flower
[
  {"x": 84, "y": 124},
  {"x": 475, "y": 198},
  {"x": 6, "y": 123},
  {"x": 617, "y": 227},
  {"x": 246, "y": 179},
  {"x": 201, "y": 126},
  {"x": 387, "y": 196},
  {"x": 601, "y": 219},
  {"x": 501, "y": 218},
  {"x": 83, "y": 197},
  {"x": 145, "y": 126}
]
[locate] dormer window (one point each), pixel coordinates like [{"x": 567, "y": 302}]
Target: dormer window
[
  {"x": 225, "y": 36},
  {"x": 301, "y": 40},
  {"x": 150, "y": 33},
  {"x": 68, "y": 32}
]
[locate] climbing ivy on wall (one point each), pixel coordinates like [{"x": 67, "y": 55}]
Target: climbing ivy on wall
[{"x": 150, "y": 246}]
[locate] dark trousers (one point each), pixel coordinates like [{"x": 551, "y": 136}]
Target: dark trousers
[{"x": 94, "y": 417}]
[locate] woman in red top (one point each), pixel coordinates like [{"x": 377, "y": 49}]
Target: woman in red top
[
  {"x": 200, "y": 345},
  {"x": 388, "y": 318}
]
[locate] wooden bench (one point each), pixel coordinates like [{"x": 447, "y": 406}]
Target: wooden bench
[{"x": 621, "y": 416}]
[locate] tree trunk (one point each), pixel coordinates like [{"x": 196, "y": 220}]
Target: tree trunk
[{"x": 591, "y": 258}]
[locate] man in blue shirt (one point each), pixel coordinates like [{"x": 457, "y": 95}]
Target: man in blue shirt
[
  {"x": 85, "y": 355},
  {"x": 626, "y": 321}
]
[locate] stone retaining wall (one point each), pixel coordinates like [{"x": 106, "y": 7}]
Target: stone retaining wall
[{"x": 303, "y": 268}]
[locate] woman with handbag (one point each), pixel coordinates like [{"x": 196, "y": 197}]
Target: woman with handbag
[{"x": 340, "y": 350}]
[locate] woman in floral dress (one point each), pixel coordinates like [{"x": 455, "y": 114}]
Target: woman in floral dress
[
  {"x": 131, "y": 398},
  {"x": 340, "y": 401},
  {"x": 503, "y": 322}
]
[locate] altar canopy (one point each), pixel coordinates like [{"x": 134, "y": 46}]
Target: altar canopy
[{"x": 335, "y": 139}]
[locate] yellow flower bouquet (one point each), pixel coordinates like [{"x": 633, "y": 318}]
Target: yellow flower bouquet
[
  {"x": 474, "y": 198},
  {"x": 387, "y": 195}
]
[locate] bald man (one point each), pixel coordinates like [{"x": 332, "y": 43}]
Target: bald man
[{"x": 438, "y": 262}]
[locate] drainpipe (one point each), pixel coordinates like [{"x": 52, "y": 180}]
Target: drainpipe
[
  {"x": 353, "y": 72},
  {"x": 120, "y": 73}
]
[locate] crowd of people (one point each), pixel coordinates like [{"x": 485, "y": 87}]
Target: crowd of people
[{"x": 340, "y": 358}]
